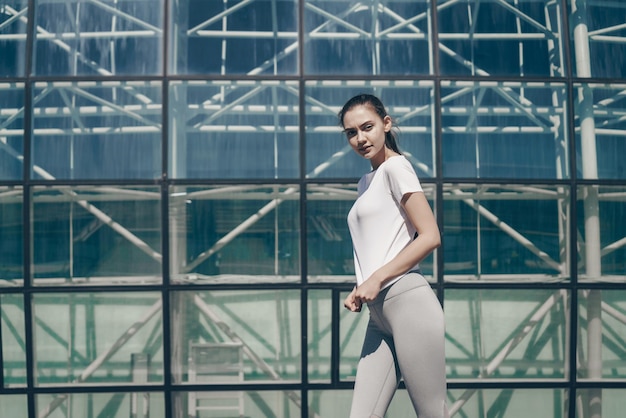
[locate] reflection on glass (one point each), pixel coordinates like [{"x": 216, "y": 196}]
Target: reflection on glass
[
  {"x": 409, "y": 103},
  {"x": 13, "y": 27},
  {"x": 513, "y": 233},
  {"x": 245, "y": 233},
  {"x": 11, "y": 127},
  {"x": 601, "y": 331},
  {"x": 514, "y": 334},
  {"x": 13, "y": 344},
  {"x": 266, "y": 403},
  {"x": 96, "y": 235},
  {"x": 597, "y": 37},
  {"x": 346, "y": 37},
  {"x": 602, "y": 234},
  {"x": 525, "y": 34},
  {"x": 332, "y": 403},
  {"x": 504, "y": 129},
  {"x": 509, "y": 403},
  {"x": 102, "y": 338},
  {"x": 238, "y": 37},
  {"x": 600, "y": 127},
  {"x": 330, "y": 257},
  {"x": 95, "y": 130},
  {"x": 11, "y": 233},
  {"x": 230, "y": 337},
  {"x": 98, "y": 38},
  {"x": 110, "y": 405},
  {"x": 234, "y": 129}
]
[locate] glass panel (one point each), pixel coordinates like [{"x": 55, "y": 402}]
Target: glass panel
[
  {"x": 96, "y": 235},
  {"x": 602, "y": 234},
  {"x": 224, "y": 129},
  {"x": 235, "y": 234},
  {"x": 13, "y": 343},
  {"x": 76, "y": 37},
  {"x": 601, "y": 334},
  {"x": 11, "y": 231},
  {"x": 101, "y": 338},
  {"x": 320, "y": 310},
  {"x": 331, "y": 403},
  {"x": 504, "y": 129},
  {"x": 110, "y": 405},
  {"x": 408, "y": 102},
  {"x": 612, "y": 402},
  {"x": 600, "y": 131},
  {"x": 229, "y": 337},
  {"x": 489, "y": 235},
  {"x": 512, "y": 334},
  {"x": 96, "y": 130},
  {"x": 525, "y": 34},
  {"x": 11, "y": 127},
  {"x": 330, "y": 257},
  {"x": 14, "y": 406},
  {"x": 483, "y": 403},
  {"x": 207, "y": 404},
  {"x": 235, "y": 37},
  {"x": 373, "y": 38},
  {"x": 598, "y": 35},
  {"x": 13, "y": 27}
]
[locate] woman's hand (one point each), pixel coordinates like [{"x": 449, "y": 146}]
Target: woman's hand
[
  {"x": 370, "y": 288},
  {"x": 352, "y": 303}
]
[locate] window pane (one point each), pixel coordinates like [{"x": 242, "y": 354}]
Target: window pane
[
  {"x": 598, "y": 48},
  {"x": 235, "y": 234},
  {"x": 13, "y": 26},
  {"x": 110, "y": 405},
  {"x": 525, "y": 34},
  {"x": 11, "y": 231},
  {"x": 320, "y": 310},
  {"x": 266, "y": 403},
  {"x": 14, "y": 406},
  {"x": 601, "y": 330},
  {"x": 234, "y": 337},
  {"x": 509, "y": 403},
  {"x": 600, "y": 131},
  {"x": 96, "y": 130},
  {"x": 408, "y": 102},
  {"x": 506, "y": 334},
  {"x": 330, "y": 257},
  {"x": 490, "y": 236},
  {"x": 238, "y": 37},
  {"x": 612, "y": 402},
  {"x": 96, "y": 235},
  {"x": 11, "y": 128},
  {"x": 75, "y": 37},
  {"x": 602, "y": 234},
  {"x": 344, "y": 37},
  {"x": 87, "y": 338},
  {"x": 234, "y": 129},
  {"x": 13, "y": 345},
  {"x": 504, "y": 129}
]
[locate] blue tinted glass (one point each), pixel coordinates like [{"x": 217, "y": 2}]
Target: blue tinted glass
[
  {"x": 13, "y": 26},
  {"x": 11, "y": 131}
]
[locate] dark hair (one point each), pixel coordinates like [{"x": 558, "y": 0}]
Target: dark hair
[{"x": 391, "y": 137}]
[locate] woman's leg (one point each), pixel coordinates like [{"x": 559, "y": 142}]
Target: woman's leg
[
  {"x": 377, "y": 376},
  {"x": 417, "y": 321}
]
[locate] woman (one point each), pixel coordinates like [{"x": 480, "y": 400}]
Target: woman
[{"x": 392, "y": 229}]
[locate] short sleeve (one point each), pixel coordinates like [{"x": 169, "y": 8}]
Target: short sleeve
[{"x": 401, "y": 177}]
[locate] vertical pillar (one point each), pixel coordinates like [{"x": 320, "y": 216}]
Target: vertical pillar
[{"x": 590, "y": 202}]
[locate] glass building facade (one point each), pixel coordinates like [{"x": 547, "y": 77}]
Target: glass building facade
[{"x": 174, "y": 186}]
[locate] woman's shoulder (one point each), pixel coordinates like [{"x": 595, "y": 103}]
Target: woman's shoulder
[{"x": 398, "y": 164}]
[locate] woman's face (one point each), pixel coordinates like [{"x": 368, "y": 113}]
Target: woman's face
[{"x": 365, "y": 131}]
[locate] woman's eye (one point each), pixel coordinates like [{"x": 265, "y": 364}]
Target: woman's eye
[
  {"x": 350, "y": 134},
  {"x": 368, "y": 127}
]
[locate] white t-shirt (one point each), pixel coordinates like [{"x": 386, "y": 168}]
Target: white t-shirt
[{"x": 378, "y": 224}]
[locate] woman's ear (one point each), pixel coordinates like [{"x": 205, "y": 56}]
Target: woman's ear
[{"x": 387, "y": 123}]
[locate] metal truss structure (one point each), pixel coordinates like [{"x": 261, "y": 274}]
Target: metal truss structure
[{"x": 142, "y": 112}]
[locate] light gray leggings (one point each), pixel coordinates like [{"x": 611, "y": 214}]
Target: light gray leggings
[{"x": 404, "y": 338}]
